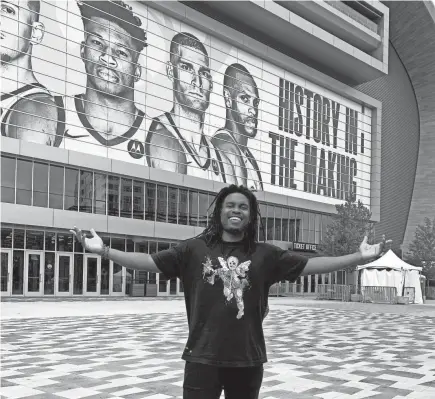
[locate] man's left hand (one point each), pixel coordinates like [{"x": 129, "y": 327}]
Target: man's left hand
[{"x": 368, "y": 251}]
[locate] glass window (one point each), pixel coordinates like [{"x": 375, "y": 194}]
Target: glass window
[
  {"x": 64, "y": 242},
  {"x": 18, "y": 238},
  {"x": 35, "y": 240},
  {"x": 150, "y": 201},
  {"x": 262, "y": 222},
  {"x": 126, "y": 198},
  {"x": 86, "y": 191},
  {"x": 24, "y": 182},
  {"x": 141, "y": 247},
  {"x": 163, "y": 281},
  {"x": 182, "y": 206},
  {"x": 113, "y": 195},
  {"x": 56, "y": 187},
  {"x": 172, "y": 204},
  {"x": 17, "y": 272},
  {"x": 292, "y": 226},
  {"x": 40, "y": 184},
  {"x": 162, "y": 199},
  {"x": 138, "y": 199},
  {"x": 270, "y": 222},
  {"x": 203, "y": 208},
  {"x": 99, "y": 194},
  {"x": 278, "y": 215},
  {"x": 6, "y": 237},
  {"x": 129, "y": 245},
  {"x": 193, "y": 208},
  {"x": 117, "y": 243},
  {"x": 8, "y": 179},
  {"x": 71, "y": 189},
  {"x": 50, "y": 241},
  {"x": 285, "y": 223}
]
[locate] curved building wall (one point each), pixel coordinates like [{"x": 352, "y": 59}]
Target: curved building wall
[
  {"x": 412, "y": 32},
  {"x": 400, "y": 141}
]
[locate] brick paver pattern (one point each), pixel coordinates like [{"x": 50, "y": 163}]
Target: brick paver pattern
[{"x": 313, "y": 353}]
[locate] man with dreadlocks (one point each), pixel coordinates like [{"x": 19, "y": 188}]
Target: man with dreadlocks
[{"x": 226, "y": 275}]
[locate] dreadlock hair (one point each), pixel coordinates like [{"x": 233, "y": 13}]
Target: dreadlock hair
[{"x": 212, "y": 234}]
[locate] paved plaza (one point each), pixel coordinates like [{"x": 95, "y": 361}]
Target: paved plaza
[{"x": 131, "y": 349}]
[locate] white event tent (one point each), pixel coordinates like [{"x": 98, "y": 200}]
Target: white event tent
[{"x": 391, "y": 271}]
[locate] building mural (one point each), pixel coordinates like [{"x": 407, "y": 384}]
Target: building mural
[{"x": 124, "y": 81}]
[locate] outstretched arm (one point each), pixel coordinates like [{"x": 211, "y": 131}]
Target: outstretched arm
[
  {"x": 331, "y": 264},
  {"x": 131, "y": 260}
]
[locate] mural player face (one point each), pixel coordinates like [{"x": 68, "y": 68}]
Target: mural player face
[
  {"x": 18, "y": 29},
  {"x": 245, "y": 107},
  {"x": 235, "y": 213},
  {"x": 110, "y": 57},
  {"x": 192, "y": 79}
]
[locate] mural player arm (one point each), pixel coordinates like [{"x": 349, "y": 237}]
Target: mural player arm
[
  {"x": 331, "y": 264},
  {"x": 34, "y": 119},
  {"x": 131, "y": 260}
]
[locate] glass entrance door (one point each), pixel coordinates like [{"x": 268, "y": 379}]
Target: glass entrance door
[
  {"x": 6, "y": 276},
  {"x": 92, "y": 275},
  {"x": 117, "y": 279},
  {"x": 64, "y": 273},
  {"x": 33, "y": 275}
]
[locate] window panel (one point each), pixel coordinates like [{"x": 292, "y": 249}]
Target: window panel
[
  {"x": 100, "y": 184},
  {"x": 203, "y": 208},
  {"x": 65, "y": 242},
  {"x": 129, "y": 245},
  {"x": 193, "y": 208},
  {"x": 150, "y": 201},
  {"x": 86, "y": 191},
  {"x": 263, "y": 222},
  {"x": 172, "y": 204},
  {"x": 35, "y": 240},
  {"x": 24, "y": 182},
  {"x": 50, "y": 241},
  {"x": 71, "y": 189},
  {"x": 278, "y": 215},
  {"x": 270, "y": 222},
  {"x": 40, "y": 184},
  {"x": 292, "y": 226},
  {"x": 162, "y": 198},
  {"x": 182, "y": 206},
  {"x": 113, "y": 196},
  {"x": 126, "y": 198},
  {"x": 18, "y": 238},
  {"x": 117, "y": 243},
  {"x": 285, "y": 224},
  {"x": 6, "y": 237},
  {"x": 56, "y": 187},
  {"x": 8, "y": 168},
  {"x": 138, "y": 199}
]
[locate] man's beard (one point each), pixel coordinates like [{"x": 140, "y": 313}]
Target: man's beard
[{"x": 235, "y": 231}]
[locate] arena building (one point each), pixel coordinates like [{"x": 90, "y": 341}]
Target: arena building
[{"x": 129, "y": 117}]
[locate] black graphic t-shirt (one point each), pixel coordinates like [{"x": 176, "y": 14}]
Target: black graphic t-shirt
[{"x": 226, "y": 297}]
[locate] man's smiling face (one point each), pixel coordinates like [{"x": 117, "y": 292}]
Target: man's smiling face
[{"x": 235, "y": 213}]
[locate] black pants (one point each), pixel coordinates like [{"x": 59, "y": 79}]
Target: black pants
[{"x": 206, "y": 382}]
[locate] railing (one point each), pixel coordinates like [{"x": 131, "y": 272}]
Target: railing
[
  {"x": 355, "y": 15},
  {"x": 334, "y": 291},
  {"x": 287, "y": 289},
  {"x": 378, "y": 294}
]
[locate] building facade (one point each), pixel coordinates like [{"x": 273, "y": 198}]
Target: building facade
[{"x": 129, "y": 117}]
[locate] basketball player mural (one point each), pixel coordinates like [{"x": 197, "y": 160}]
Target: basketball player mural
[
  {"x": 176, "y": 141},
  {"x": 104, "y": 120},
  {"x": 241, "y": 101},
  {"x": 28, "y": 110}
]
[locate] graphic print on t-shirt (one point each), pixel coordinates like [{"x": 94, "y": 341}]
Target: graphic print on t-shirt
[{"x": 233, "y": 276}]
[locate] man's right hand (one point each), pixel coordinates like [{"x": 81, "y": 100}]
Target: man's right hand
[{"x": 94, "y": 244}]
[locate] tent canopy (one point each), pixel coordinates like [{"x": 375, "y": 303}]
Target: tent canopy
[{"x": 389, "y": 261}]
